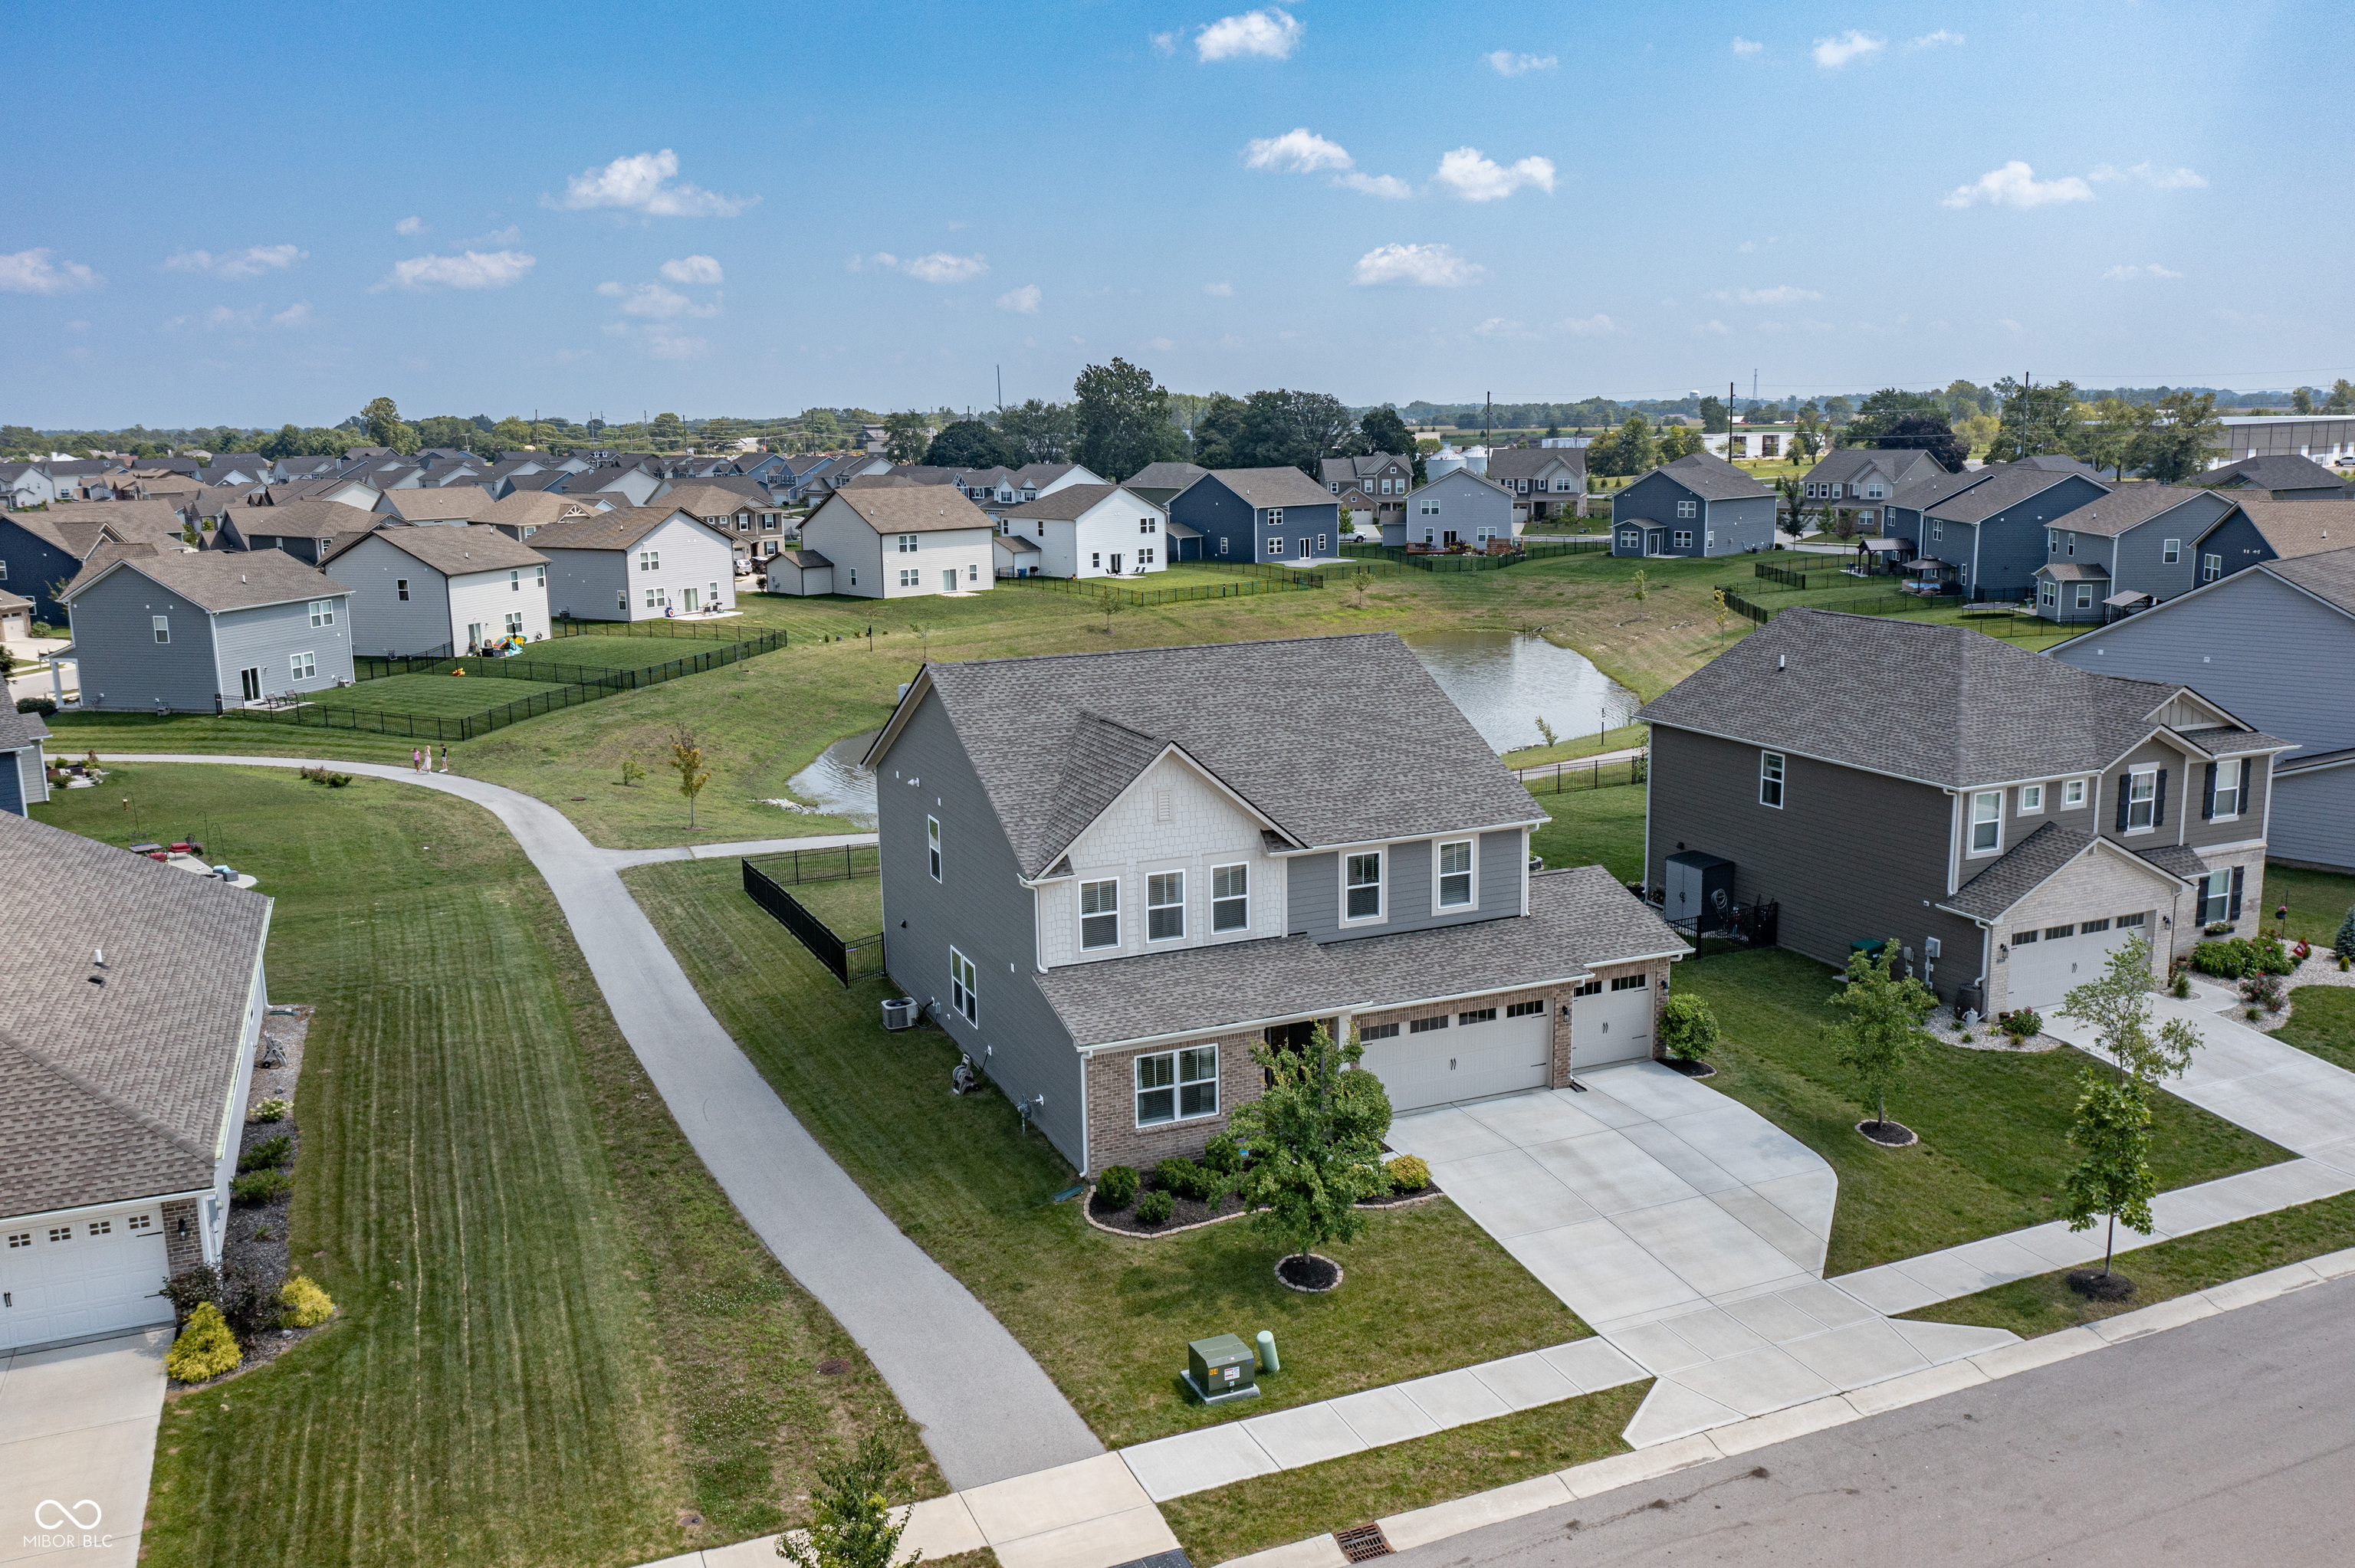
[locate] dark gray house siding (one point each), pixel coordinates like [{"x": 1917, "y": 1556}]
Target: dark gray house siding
[
  {"x": 2236, "y": 545},
  {"x": 121, "y": 664},
  {"x": 1703, "y": 795},
  {"x": 2140, "y": 564},
  {"x": 1312, "y": 898},
  {"x": 31, "y": 565},
  {"x": 1232, "y": 531},
  {"x": 1651, "y": 505},
  {"x": 2001, "y": 551},
  {"x": 1019, "y": 1043},
  {"x": 404, "y": 603}
]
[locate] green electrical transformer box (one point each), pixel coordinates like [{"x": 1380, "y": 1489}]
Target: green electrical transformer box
[{"x": 1221, "y": 1368}]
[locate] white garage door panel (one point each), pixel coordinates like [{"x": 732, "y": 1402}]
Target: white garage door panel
[
  {"x": 101, "y": 1277},
  {"x": 1464, "y": 1062},
  {"x": 1609, "y": 1026},
  {"x": 2046, "y": 971}
]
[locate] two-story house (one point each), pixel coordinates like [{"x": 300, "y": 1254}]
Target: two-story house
[
  {"x": 1858, "y": 483},
  {"x": 439, "y": 591},
  {"x": 1373, "y": 486},
  {"x": 2255, "y": 529},
  {"x": 1981, "y": 533},
  {"x": 200, "y": 631},
  {"x": 896, "y": 540},
  {"x": 646, "y": 562},
  {"x": 1544, "y": 482},
  {"x": 1459, "y": 507},
  {"x": 1272, "y": 515},
  {"x": 1698, "y": 506},
  {"x": 735, "y": 507},
  {"x": 1083, "y": 531},
  {"x": 1107, "y": 890},
  {"x": 2007, "y": 819},
  {"x": 2133, "y": 548}
]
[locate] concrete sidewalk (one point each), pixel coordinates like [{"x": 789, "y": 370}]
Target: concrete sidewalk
[
  {"x": 77, "y": 1443},
  {"x": 620, "y": 859},
  {"x": 987, "y": 1411}
]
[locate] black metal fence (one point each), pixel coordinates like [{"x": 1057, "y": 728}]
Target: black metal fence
[
  {"x": 1555, "y": 777},
  {"x": 1858, "y": 604},
  {"x": 840, "y": 863},
  {"x": 1528, "y": 549},
  {"x": 847, "y": 960}
]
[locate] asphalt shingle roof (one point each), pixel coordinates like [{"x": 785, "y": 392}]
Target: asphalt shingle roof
[
  {"x": 2006, "y": 484},
  {"x": 455, "y": 551},
  {"x": 1072, "y": 502},
  {"x": 1166, "y": 475},
  {"x": 2125, "y": 506},
  {"x": 615, "y": 530},
  {"x": 217, "y": 580},
  {"x": 1712, "y": 478},
  {"x": 2329, "y": 576},
  {"x": 2284, "y": 471},
  {"x": 2074, "y": 571},
  {"x": 2038, "y": 858},
  {"x": 911, "y": 508},
  {"x": 438, "y": 504},
  {"x": 1262, "y": 487},
  {"x": 2301, "y": 527},
  {"x": 1843, "y": 463}
]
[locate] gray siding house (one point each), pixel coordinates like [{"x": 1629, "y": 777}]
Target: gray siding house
[
  {"x": 24, "y": 782},
  {"x": 2125, "y": 551},
  {"x": 2228, "y": 637},
  {"x": 1108, "y": 891},
  {"x": 1459, "y": 507},
  {"x": 1271, "y": 516},
  {"x": 1860, "y": 481},
  {"x": 2004, "y": 817},
  {"x": 439, "y": 590},
  {"x": 199, "y": 632},
  {"x": 1982, "y": 532},
  {"x": 2254, "y": 531},
  {"x": 40, "y": 552},
  {"x": 1698, "y": 506}
]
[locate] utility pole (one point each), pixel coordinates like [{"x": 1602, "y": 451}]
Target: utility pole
[
  {"x": 1488, "y": 409},
  {"x": 1001, "y": 389}
]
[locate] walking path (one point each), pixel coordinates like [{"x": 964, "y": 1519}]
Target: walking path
[
  {"x": 77, "y": 1441},
  {"x": 1570, "y": 764},
  {"x": 987, "y": 1409}
]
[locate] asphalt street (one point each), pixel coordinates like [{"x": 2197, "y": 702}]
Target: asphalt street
[{"x": 2228, "y": 1441}]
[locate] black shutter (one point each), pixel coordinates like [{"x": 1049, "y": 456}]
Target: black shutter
[
  {"x": 2238, "y": 873},
  {"x": 2126, "y": 786},
  {"x": 2159, "y": 800},
  {"x": 2207, "y": 800}
]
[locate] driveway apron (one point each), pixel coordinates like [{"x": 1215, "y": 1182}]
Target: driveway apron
[{"x": 77, "y": 1441}]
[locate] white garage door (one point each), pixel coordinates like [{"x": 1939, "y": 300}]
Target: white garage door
[
  {"x": 2060, "y": 958},
  {"x": 1611, "y": 1022},
  {"x": 1489, "y": 1054},
  {"x": 62, "y": 1279}
]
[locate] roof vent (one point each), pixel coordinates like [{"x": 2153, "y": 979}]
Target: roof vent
[
  {"x": 97, "y": 957},
  {"x": 1779, "y": 660}
]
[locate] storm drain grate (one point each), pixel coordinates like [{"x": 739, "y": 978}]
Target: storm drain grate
[{"x": 1362, "y": 1543}]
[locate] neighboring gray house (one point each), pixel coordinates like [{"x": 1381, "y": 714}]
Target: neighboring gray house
[
  {"x": 1696, "y": 506},
  {"x": 638, "y": 563},
  {"x": 440, "y": 591},
  {"x": 1858, "y": 483},
  {"x": 310, "y": 530},
  {"x": 2229, "y": 637},
  {"x": 2285, "y": 478},
  {"x": 1981, "y": 533},
  {"x": 1459, "y": 507},
  {"x": 201, "y": 631},
  {"x": 1543, "y": 480},
  {"x": 122, "y": 1082},
  {"x": 2254, "y": 531},
  {"x": 24, "y": 782},
  {"x": 40, "y": 552},
  {"x": 1108, "y": 889},
  {"x": 1373, "y": 486},
  {"x": 2122, "y": 552},
  {"x": 2004, "y": 817}
]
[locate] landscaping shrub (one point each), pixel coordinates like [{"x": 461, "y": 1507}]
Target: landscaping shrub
[
  {"x": 2241, "y": 957},
  {"x": 307, "y": 1305},
  {"x": 263, "y": 1186},
  {"x": 1155, "y": 1208},
  {"x": 45, "y": 707},
  {"x": 2261, "y": 990},
  {"x": 2343, "y": 944},
  {"x": 1185, "y": 1179},
  {"x": 1687, "y": 1027},
  {"x": 272, "y": 1109},
  {"x": 1223, "y": 1153},
  {"x": 268, "y": 1155},
  {"x": 2182, "y": 986},
  {"x": 1408, "y": 1173},
  {"x": 2020, "y": 1024},
  {"x": 206, "y": 1349},
  {"x": 1117, "y": 1186}
]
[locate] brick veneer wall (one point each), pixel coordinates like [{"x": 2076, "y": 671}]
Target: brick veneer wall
[{"x": 182, "y": 1253}]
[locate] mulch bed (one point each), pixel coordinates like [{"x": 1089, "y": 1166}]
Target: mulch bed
[
  {"x": 1189, "y": 1214},
  {"x": 2096, "y": 1286},
  {"x": 1308, "y": 1272},
  {"x": 1691, "y": 1067},
  {"x": 1888, "y": 1134}
]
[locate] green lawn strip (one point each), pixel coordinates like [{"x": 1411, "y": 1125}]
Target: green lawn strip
[
  {"x": 1994, "y": 1149},
  {"x": 2317, "y": 900},
  {"x": 1235, "y": 1520},
  {"x": 433, "y": 696},
  {"x": 2322, "y": 1020},
  {"x": 72, "y": 733},
  {"x": 1592, "y": 826},
  {"x": 2044, "y": 1304},
  {"x": 1108, "y": 1317},
  {"x": 556, "y": 1333},
  {"x": 851, "y": 908},
  {"x": 1617, "y": 739}
]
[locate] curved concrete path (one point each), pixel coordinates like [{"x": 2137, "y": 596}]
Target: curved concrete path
[{"x": 987, "y": 1411}]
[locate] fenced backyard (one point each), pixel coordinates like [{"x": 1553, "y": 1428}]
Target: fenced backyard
[
  {"x": 1603, "y": 773},
  {"x": 1531, "y": 549},
  {"x": 1198, "y": 580},
  {"x": 815, "y": 874}
]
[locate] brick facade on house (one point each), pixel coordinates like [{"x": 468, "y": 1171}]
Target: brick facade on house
[{"x": 184, "y": 1245}]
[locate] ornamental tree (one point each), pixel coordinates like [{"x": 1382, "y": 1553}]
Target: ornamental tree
[
  {"x": 1881, "y": 1026},
  {"x": 851, "y": 1524},
  {"x": 1315, "y": 1141},
  {"x": 2114, "y": 1180},
  {"x": 2117, "y": 1007}
]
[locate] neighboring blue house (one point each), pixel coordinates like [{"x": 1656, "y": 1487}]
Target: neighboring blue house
[
  {"x": 201, "y": 631},
  {"x": 1698, "y": 506},
  {"x": 2255, "y": 531},
  {"x": 2125, "y": 551},
  {"x": 23, "y": 781},
  {"x": 1981, "y": 533},
  {"x": 1271, "y": 516}
]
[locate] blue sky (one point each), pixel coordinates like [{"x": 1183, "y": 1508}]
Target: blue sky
[{"x": 264, "y": 212}]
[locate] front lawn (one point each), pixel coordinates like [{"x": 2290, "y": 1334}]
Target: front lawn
[
  {"x": 1107, "y": 1316},
  {"x": 2322, "y": 1020},
  {"x": 1993, "y": 1124},
  {"x": 556, "y": 1338}
]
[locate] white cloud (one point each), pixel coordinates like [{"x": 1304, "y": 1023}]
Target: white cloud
[
  {"x": 1500, "y": 328},
  {"x": 1505, "y": 62},
  {"x": 941, "y": 267},
  {"x": 297, "y": 315},
  {"x": 251, "y": 262},
  {"x": 410, "y": 225},
  {"x": 2127, "y": 274},
  {"x": 639, "y": 184},
  {"x": 2007, "y": 323},
  {"x": 223, "y": 319},
  {"x": 1163, "y": 43},
  {"x": 2016, "y": 184},
  {"x": 511, "y": 235},
  {"x": 1022, "y": 302},
  {"x": 1596, "y": 325},
  {"x": 30, "y": 272},
  {"x": 668, "y": 345},
  {"x": 1159, "y": 344},
  {"x": 2153, "y": 175},
  {"x": 1747, "y": 46},
  {"x": 882, "y": 259},
  {"x": 1712, "y": 328},
  {"x": 1781, "y": 294},
  {"x": 1271, "y": 32},
  {"x": 1389, "y": 187},
  {"x": 1431, "y": 266},
  {"x": 1833, "y": 53},
  {"x": 1467, "y": 173},
  {"x": 692, "y": 269},
  {"x": 468, "y": 269},
  {"x": 656, "y": 302},
  {"x": 1938, "y": 39},
  {"x": 1219, "y": 291},
  {"x": 1299, "y": 151}
]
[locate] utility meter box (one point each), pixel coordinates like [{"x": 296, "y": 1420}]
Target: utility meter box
[
  {"x": 1700, "y": 890},
  {"x": 1221, "y": 1368}
]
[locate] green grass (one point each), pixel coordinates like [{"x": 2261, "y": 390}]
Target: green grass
[
  {"x": 2317, "y": 900},
  {"x": 1617, "y": 739},
  {"x": 1108, "y": 1317},
  {"x": 1993, "y": 1124},
  {"x": 851, "y": 908},
  {"x": 556, "y": 1333},
  {"x": 2322, "y": 1020},
  {"x": 1592, "y": 826},
  {"x": 433, "y": 696},
  {"x": 1234, "y": 1520},
  {"x": 2045, "y": 1304}
]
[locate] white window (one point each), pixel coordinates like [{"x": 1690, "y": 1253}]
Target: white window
[
  {"x": 323, "y": 612},
  {"x": 1275, "y": 516},
  {"x": 1362, "y": 886},
  {"x": 2228, "y": 788},
  {"x": 1687, "y": 509},
  {"x": 1986, "y": 821},
  {"x": 712, "y": 600},
  {"x": 1456, "y": 874},
  {"x": 163, "y": 624},
  {"x": 1320, "y": 544},
  {"x": 1431, "y": 506},
  {"x": 302, "y": 666},
  {"x": 2142, "y": 799},
  {"x": 2073, "y": 794},
  {"x": 2031, "y": 799},
  {"x": 2084, "y": 596},
  {"x": 515, "y": 623},
  {"x": 1222, "y": 544},
  {"x": 1629, "y": 539},
  {"x": 1684, "y": 539},
  {"x": 1770, "y": 779},
  {"x": 400, "y": 587},
  {"x": 2048, "y": 594},
  {"x": 853, "y": 576},
  {"x": 649, "y": 560},
  {"x": 2171, "y": 551},
  {"x": 1165, "y": 905},
  {"x": 2216, "y": 897},
  {"x": 933, "y": 843},
  {"x": 1275, "y": 548},
  {"x": 1095, "y": 560},
  {"x": 907, "y": 544},
  {"x": 514, "y": 582},
  {"x": 1709, "y": 536},
  {"x": 654, "y": 598},
  {"x": 1100, "y": 914},
  {"x": 1230, "y": 899},
  {"x": 961, "y": 994},
  {"x": 907, "y": 578},
  {"x": 2211, "y": 567},
  {"x": 1175, "y": 1086}
]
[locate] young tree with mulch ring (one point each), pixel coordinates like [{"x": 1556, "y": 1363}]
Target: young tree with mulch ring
[
  {"x": 1882, "y": 1029},
  {"x": 686, "y": 761},
  {"x": 2114, "y": 1180},
  {"x": 1315, "y": 1141},
  {"x": 2117, "y": 1007},
  {"x": 850, "y": 1507},
  {"x": 1688, "y": 1033}
]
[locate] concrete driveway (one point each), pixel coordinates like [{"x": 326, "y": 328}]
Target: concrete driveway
[{"x": 77, "y": 1441}]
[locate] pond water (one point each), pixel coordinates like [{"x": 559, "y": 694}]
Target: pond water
[
  {"x": 1505, "y": 681},
  {"x": 836, "y": 784}
]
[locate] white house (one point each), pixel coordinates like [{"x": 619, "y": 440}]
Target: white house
[
  {"x": 1089, "y": 530},
  {"x": 897, "y": 542},
  {"x": 799, "y": 572},
  {"x": 1458, "y": 507},
  {"x": 441, "y": 590},
  {"x": 639, "y": 563}
]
